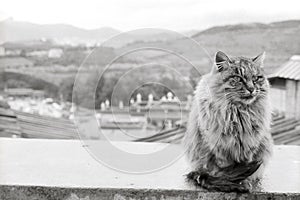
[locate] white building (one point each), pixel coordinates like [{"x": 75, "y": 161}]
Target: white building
[
  {"x": 37, "y": 53},
  {"x": 55, "y": 53},
  {"x": 2, "y": 51}
]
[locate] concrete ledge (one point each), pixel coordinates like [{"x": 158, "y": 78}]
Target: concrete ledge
[
  {"x": 63, "y": 169},
  {"x": 43, "y": 193}
]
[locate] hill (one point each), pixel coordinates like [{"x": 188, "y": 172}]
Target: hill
[
  {"x": 16, "y": 31},
  {"x": 22, "y": 31},
  {"x": 280, "y": 40}
]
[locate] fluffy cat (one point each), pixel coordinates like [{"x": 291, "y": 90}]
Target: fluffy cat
[{"x": 228, "y": 140}]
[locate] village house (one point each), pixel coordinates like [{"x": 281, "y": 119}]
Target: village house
[
  {"x": 55, "y": 53},
  {"x": 2, "y": 51},
  {"x": 285, "y": 88}
]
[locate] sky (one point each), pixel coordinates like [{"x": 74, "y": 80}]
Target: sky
[{"x": 178, "y": 15}]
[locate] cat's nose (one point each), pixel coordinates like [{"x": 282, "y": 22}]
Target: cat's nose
[{"x": 251, "y": 89}]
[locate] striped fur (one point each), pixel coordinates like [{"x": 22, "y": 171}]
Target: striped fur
[{"x": 227, "y": 125}]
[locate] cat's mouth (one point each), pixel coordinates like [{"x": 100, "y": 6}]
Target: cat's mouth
[{"x": 248, "y": 98}]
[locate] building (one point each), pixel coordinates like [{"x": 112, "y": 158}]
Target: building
[
  {"x": 2, "y": 51},
  {"x": 39, "y": 53},
  {"x": 14, "y": 62},
  {"x": 285, "y": 90},
  {"x": 55, "y": 53}
]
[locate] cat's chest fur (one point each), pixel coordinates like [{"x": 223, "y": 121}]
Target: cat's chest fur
[{"x": 233, "y": 131}]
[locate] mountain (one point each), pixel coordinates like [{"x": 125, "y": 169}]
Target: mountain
[
  {"x": 23, "y": 31},
  {"x": 16, "y": 31}
]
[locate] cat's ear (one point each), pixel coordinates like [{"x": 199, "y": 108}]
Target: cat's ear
[
  {"x": 260, "y": 59},
  {"x": 221, "y": 61}
]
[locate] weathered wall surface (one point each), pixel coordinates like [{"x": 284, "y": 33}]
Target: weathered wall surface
[{"x": 45, "y": 193}]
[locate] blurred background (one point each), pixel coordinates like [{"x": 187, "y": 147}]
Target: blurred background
[{"x": 44, "y": 43}]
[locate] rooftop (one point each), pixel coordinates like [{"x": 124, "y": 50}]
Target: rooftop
[
  {"x": 290, "y": 70},
  {"x": 21, "y": 124},
  {"x": 284, "y": 131},
  {"x": 63, "y": 169}
]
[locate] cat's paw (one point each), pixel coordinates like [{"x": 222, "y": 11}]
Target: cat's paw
[
  {"x": 247, "y": 185},
  {"x": 194, "y": 177}
]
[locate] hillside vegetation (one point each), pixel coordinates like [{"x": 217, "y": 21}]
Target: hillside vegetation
[{"x": 280, "y": 40}]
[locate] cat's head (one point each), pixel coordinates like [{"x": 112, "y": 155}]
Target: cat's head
[{"x": 241, "y": 79}]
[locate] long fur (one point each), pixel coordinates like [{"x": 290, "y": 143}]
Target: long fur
[
  {"x": 227, "y": 131},
  {"x": 227, "y": 179}
]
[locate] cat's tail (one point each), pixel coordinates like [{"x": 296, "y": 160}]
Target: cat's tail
[{"x": 228, "y": 179}]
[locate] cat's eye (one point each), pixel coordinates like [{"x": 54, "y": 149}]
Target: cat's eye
[{"x": 258, "y": 78}]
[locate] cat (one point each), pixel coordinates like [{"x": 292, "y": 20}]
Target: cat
[{"x": 228, "y": 140}]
